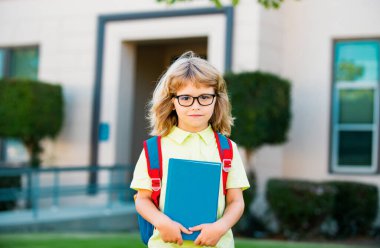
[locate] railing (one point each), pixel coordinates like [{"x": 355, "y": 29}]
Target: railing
[{"x": 33, "y": 192}]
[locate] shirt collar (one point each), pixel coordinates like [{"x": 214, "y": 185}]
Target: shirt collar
[{"x": 179, "y": 135}]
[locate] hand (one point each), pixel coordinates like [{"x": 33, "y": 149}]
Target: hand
[
  {"x": 210, "y": 233},
  {"x": 170, "y": 231}
]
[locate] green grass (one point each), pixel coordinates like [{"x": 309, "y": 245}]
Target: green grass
[
  {"x": 70, "y": 241},
  {"x": 126, "y": 241}
]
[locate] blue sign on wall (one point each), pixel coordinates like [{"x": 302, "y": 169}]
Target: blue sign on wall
[{"x": 104, "y": 131}]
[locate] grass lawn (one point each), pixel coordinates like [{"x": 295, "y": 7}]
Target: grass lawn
[{"x": 127, "y": 241}]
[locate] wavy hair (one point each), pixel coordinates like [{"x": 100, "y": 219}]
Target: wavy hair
[{"x": 188, "y": 68}]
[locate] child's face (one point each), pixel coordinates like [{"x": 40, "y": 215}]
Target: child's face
[{"x": 194, "y": 118}]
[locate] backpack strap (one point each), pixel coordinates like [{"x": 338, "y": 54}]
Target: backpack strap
[
  {"x": 152, "y": 148},
  {"x": 226, "y": 155}
]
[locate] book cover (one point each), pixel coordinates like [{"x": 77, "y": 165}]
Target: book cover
[{"x": 192, "y": 193}]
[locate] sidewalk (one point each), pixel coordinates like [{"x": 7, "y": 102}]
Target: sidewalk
[{"x": 118, "y": 217}]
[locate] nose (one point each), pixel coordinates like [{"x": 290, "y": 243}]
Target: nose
[{"x": 196, "y": 104}]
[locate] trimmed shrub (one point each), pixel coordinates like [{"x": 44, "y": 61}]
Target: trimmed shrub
[
  {"x": 261, "y": 105},
  {"x": 30, "y": 111},
  {"x": 300, "y": 206},
  {"x": 355, "y": 207}
]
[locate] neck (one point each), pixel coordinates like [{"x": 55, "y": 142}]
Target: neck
[{"x": 192, "y": 129}]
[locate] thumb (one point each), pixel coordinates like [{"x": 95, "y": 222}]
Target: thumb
[
  {"x": 196, "y": 228},
  {"x": 184, "y": 230},
  {"x": 180, "y": 241}
]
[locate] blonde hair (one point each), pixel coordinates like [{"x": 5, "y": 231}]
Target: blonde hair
[{"x": 188, "y": 68}]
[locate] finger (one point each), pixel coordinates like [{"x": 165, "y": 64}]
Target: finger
[
  {"x": 196, "y": 228},
  {"x": 180, "y": 240},
  {"x": 184, "y": 229},
  {"x": 198, "y": 241}
]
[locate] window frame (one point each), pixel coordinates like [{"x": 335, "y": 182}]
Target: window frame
[{"x": 333, "y": 167}]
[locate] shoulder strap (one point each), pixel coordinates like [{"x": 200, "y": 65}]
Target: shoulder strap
[
  {"x": 152, "y": 148},
  {"x": 226, "y": 155}
]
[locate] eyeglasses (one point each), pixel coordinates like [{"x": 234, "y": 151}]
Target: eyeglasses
[{"x": 203, "y": 100}]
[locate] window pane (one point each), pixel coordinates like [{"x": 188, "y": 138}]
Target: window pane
[
  {"x": 356, "y": 106},
  {"x": 24, "y": 63},
  {"x": 2, "y": 62},
  {"x": 355, "y": 148},
  {"x": 357, "y": 60}
]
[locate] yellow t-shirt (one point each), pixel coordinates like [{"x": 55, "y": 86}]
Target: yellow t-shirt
[{"x": 193, "y": 146}]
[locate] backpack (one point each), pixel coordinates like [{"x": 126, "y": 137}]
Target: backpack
[{"x": 152, "y": 148}]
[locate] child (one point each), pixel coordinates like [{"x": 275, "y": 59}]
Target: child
[{"x": 189, "y": 103}]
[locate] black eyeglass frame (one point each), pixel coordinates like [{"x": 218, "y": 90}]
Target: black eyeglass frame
[{"x": 196, "y": 97}]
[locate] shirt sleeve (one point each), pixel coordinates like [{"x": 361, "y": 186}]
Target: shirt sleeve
[
  {"x": 237, "y": 177},
  {"x": 141, "y": 179}
]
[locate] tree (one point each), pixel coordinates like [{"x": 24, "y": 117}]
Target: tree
[
  {"x": 30, "y": 111},
  {"x": 261, "y": 107},
  {"x": 348, "y": 71},
  {"x": 275, "y": 4}
]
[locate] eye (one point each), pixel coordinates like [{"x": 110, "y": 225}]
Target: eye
[
  {"x": 184, "y": 98},
  {"x": 205, "y": 97}
]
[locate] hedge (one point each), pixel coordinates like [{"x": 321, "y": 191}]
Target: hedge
[
  {"x": 334, "y": 209},
  {"x": 355, "y": 207}
]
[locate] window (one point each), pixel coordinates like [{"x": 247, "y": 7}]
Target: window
[
  {"x": 24, "y": 63},
  {"x": 355, "y": 103},
  {"x": 2, "y": 62},
  {"x": 17, "y": 63}
]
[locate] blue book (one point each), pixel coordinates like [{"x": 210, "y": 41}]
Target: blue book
[{"x": 192, "y": 193}]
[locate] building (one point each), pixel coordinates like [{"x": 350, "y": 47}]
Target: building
[{"x": 109, "y": 54}]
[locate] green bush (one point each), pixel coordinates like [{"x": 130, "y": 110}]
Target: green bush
[
  {"x": 30, "y": 111},
  {"x": 355, "y": 207},
  {"x": 300, "y": 206},
  {"x": 261, "y": 105}
]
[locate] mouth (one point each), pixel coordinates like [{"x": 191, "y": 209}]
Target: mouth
[{"x": 195, "y": 115}]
